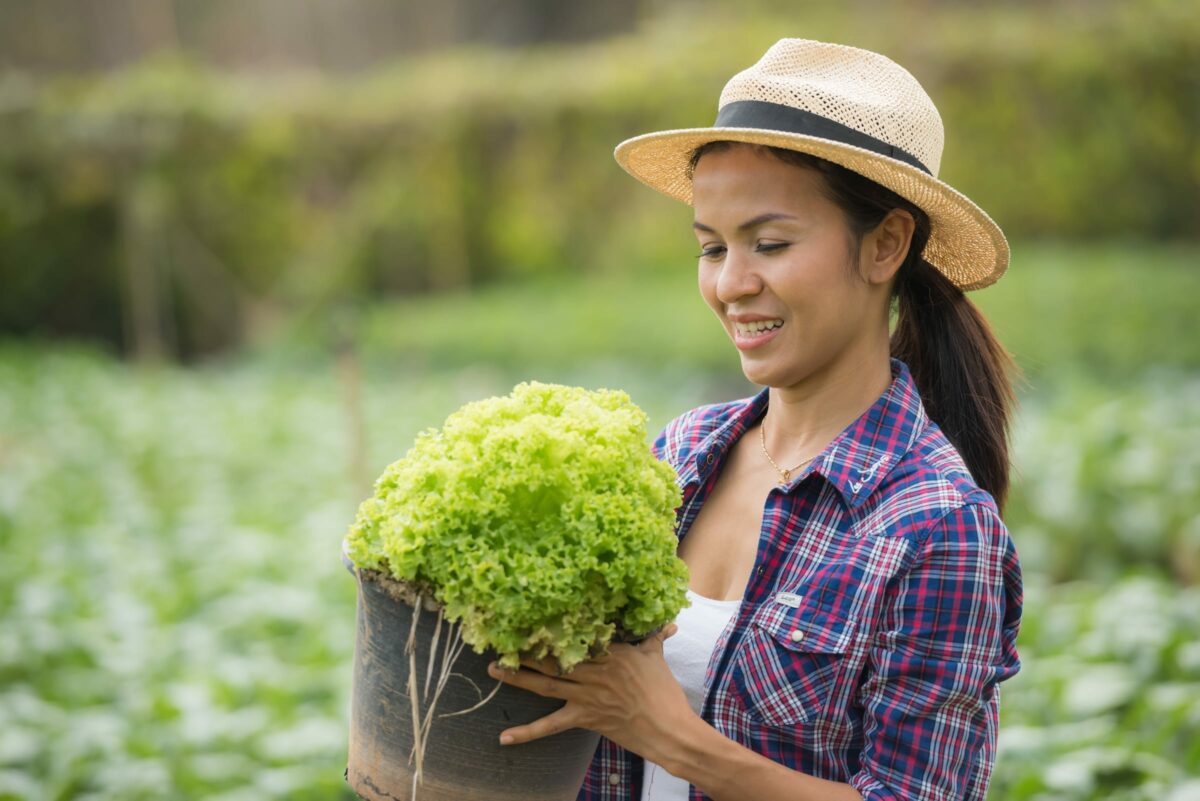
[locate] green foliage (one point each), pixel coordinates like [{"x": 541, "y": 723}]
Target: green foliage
[
  {"x": 175, "y": 621},
  {"x": 1107, "y": 703},
  {"x": 1109, "y": 311},
  {"x": 541, "y": 521},
  {"x": 237, "y": 197},
  {"x": 1118, "y": 486},
  {"x": 173, "y": 614}
]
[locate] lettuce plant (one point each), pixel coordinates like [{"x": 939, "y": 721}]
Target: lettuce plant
[{"x": 541, "y": 521}]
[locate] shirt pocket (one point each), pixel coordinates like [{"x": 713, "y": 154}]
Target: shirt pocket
[{"x": 789, "y": 662}]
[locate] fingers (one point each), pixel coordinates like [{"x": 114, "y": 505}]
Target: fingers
[
  {"x": 534, "y": 681},
  {"x": 548, "y": 666},
  {"x": 555, "y": 722},
  {"x": 668, "y": 631}
]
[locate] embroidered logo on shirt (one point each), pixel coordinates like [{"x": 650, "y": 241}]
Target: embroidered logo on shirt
[
  {"x": 789, "y": 599},
  {"x": 865, "y": 476}
]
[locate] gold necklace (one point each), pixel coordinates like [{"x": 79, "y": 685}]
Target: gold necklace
[{"x": 785, "y": 474}]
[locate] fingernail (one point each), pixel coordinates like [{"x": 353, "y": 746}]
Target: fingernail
[{"x": 506, "y": 739}]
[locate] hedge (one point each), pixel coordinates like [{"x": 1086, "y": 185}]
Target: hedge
[{"x": 176, "y": 208}]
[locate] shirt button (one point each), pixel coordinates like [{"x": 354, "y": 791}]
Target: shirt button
[
  {"x": 614, "y": 778},
  {"x": 797, "y": 635},
  {"x": 709, "y": 459}
]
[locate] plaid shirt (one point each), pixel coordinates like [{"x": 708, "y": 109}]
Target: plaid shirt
[{"x": 880, "y": 616}]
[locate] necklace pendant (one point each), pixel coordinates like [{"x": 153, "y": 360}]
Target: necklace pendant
[{"x": 787, "y": 476}]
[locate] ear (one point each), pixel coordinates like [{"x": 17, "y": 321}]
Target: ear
[{"x": 885, "y": 248}]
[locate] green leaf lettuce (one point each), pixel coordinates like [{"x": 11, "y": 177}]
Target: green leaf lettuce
[{"x": 540, "y": 520}]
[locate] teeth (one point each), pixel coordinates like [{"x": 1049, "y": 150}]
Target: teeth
[{"x": 757, "y": 326}]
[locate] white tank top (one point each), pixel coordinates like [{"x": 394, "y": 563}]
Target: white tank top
[{"x": 687, "y": 653}]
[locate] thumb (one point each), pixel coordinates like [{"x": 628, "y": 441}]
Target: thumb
[{"x": 655, "y": 641}]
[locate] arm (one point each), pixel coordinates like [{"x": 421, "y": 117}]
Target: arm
[
  {"x": 930, "y": 708},
  {"x": 946, "y": 639},
  {"x": 632, "y": 698}
]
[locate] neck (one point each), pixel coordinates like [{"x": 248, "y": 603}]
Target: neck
[{"x": 803, "y": 419}]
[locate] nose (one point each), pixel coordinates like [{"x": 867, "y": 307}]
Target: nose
[{"x": 738, "y": 278}]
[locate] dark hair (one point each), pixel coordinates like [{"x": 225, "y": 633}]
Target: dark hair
[{"x": 961, "y": 370}]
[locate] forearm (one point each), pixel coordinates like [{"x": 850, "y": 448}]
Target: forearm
[{"x": 727, "y": 771}]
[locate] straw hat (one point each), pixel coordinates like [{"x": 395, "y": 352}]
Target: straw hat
[{"x": 854, "y": 108}]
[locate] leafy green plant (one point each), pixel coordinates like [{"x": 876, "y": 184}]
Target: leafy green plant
[
  {"x": 173, "y": 609},
  {"x": 1108, "y": 480},
  {"x": 1107, "y": 703},
  {"x": 541, "y": 521}
]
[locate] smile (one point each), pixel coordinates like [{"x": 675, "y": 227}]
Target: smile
[{"x": 756, "y": 327}]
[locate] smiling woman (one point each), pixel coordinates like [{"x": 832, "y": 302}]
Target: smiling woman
[{"x": 855, "y": 597}]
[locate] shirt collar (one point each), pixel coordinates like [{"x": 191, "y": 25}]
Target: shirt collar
[
  {"x": 713, "y": 447},
  {"x": 859, "y": 458}
]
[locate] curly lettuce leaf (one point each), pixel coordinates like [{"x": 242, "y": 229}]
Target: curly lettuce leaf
[{"x": 542, "y": 520}]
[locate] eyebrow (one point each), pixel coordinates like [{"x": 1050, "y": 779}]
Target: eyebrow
[{"x": 753, "y": 222}]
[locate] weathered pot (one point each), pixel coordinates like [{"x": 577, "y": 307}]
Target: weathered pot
[{"x": 463, "y": 760}]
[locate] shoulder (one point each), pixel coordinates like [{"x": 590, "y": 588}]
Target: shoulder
[
  {"x": 938, "y": 464},
  {"x": 952, "y": 545},
  {"x": 929, "y": 488}
]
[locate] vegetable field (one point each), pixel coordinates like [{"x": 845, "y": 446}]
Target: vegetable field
[{"x": 177, "y": 622}]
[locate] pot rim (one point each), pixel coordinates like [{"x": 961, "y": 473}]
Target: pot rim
[{"x": 401, "y": 591}]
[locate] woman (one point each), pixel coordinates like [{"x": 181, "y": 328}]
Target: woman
[{"x": 855, "y": 595}]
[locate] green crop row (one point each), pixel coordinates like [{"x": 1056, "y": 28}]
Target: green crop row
[{"x": 175, "y": 621}]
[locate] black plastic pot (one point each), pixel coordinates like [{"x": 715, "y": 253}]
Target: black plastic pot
[{"x": 463, "y": 760}]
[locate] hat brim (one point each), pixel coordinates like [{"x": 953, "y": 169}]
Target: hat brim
[{"x": 965, "y": 244}]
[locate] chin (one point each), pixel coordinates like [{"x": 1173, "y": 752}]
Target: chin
[
  {"x": 777, "y": 373},
  {"x": 760, "y": 374}
]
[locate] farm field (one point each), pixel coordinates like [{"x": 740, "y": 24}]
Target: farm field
[
  {"x": 175, "y": 621},
  {"x": 248, "y": 250}
]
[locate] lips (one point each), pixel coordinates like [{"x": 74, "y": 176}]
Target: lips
[{"x": 749, "y": 334}]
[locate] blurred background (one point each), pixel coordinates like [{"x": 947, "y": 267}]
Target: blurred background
[{"x": 249, "y": 248}]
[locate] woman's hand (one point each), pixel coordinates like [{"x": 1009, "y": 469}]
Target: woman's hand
[{"x": 630, "y": 696}]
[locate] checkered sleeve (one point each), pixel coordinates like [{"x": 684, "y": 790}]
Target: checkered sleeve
[{"x": 948, "y": 637}]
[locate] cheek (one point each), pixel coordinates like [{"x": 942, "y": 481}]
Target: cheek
[
  {"x": 842, "y": 316},
  {"x": 707, "y": 281}
]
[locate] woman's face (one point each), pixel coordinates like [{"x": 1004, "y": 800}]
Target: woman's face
[{"x": 776, "y": 268}]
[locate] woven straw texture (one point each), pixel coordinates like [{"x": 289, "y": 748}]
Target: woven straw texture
[{"x": 864, "y": 91}]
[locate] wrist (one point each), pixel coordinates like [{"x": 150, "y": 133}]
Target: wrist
[
  {"x": 699, "y": 754},
  {"x": 666, "y": 741}
]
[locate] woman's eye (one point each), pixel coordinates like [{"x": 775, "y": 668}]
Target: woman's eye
[
  {"x": 769, "y": 247},
  {"x": 711, "y": 252}
]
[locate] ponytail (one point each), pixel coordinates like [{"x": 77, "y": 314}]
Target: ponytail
[{"x": 960, "y": 369}]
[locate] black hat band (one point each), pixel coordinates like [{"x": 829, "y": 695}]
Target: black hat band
[{"x": 777, "y": 117}]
